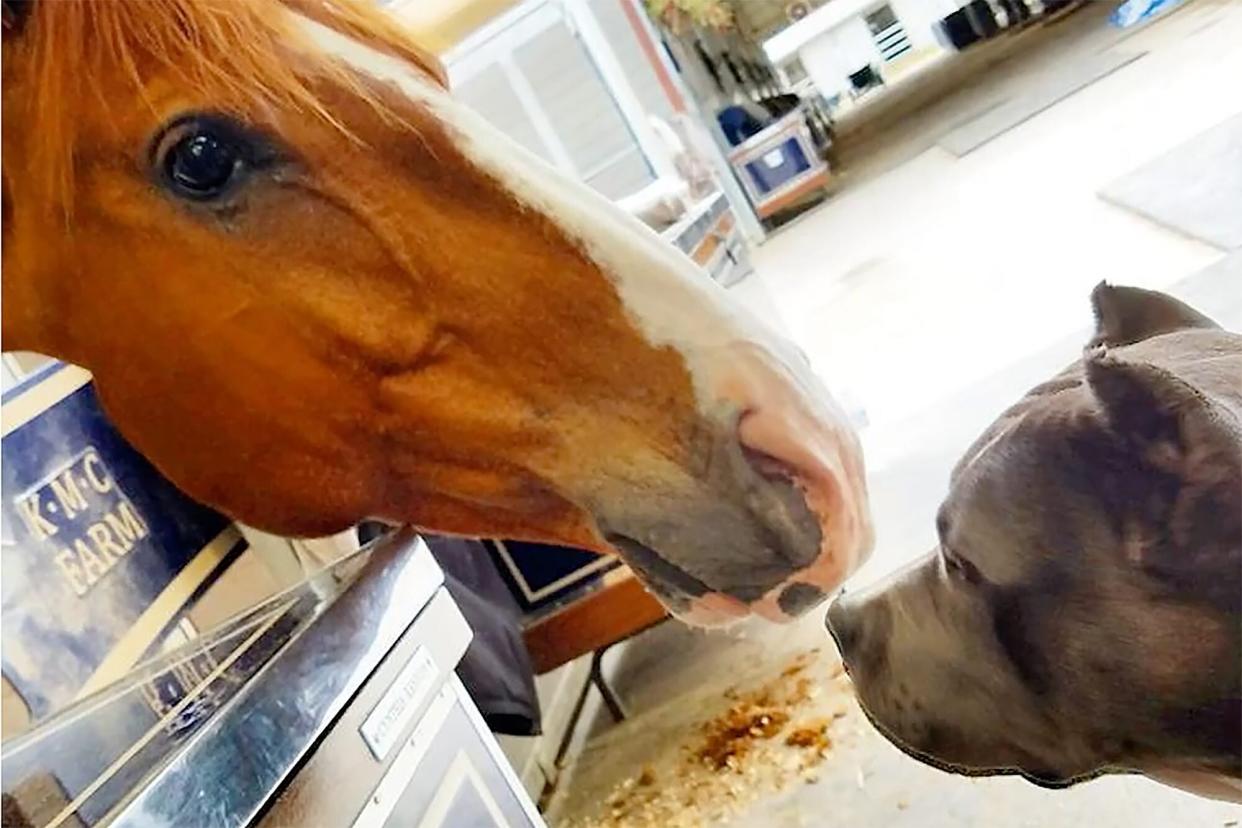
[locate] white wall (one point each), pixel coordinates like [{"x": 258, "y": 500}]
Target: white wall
[
  {"x": 839, "y": 52},
  {"x": 919, "y": 16},
  {"x": 845, "y": 48}
]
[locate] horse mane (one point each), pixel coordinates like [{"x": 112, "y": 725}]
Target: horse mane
[{"x": 236, "y": 52}]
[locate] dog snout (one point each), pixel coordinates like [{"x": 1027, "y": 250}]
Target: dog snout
[
  {"x": 843, "y": 626},
  {"x": 861, "y": 624}
]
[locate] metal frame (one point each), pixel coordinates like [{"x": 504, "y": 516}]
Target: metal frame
[
  {"x": 748, "y": 220},
  {"x": 494, "y": 749},
  {"x": 597, "y": 680},
  {"x": 582, "y": 21}
]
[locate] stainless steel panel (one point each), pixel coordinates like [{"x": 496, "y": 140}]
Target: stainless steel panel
[
  {"x": 234, "y": 765},
  {"x": 337, "y": 781},
  {"x": 238, "y": 708},
  {"x": 450, "y": 775}
]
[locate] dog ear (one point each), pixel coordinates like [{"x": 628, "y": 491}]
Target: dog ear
[
  {"x": 1173, "y": 425},
  {"x": 1188, "y": 512},
  {"x": 1124, "y": 315}
]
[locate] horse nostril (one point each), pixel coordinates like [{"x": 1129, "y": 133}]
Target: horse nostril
[
  {"x": 788, "y": 526},
  {"x": 797, "y": 598}
]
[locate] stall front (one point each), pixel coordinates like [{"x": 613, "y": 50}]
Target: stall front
[
  {"x": 161, "y": 670},
  {"x": 846, "y": 47}
]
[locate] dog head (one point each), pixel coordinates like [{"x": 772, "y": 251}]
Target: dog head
[{"x": 1081, "y": 613}]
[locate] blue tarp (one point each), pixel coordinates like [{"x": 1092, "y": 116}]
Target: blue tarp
[{"x": 1133, "y": 12}]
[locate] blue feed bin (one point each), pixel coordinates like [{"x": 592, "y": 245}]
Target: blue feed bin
[{"x": 779, "y": 166}]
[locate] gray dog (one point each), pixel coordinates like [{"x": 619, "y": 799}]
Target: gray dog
[{"x": 1083, "y": 611}]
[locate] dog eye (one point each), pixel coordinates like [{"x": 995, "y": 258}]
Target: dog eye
[
  {"x": 958, "y": 567},
  {"x": 203, "y": 158}
]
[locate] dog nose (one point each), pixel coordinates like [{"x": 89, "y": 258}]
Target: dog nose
[{"x": 843, "y": 625}]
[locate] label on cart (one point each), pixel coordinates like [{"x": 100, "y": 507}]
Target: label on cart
[
  {"x": 80, "y": 510},
  {"x": 101, "y": 555},
  {"x": 384, "y": 726}
]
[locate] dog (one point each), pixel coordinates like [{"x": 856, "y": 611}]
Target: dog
[{"x": 1082, "y": 613}]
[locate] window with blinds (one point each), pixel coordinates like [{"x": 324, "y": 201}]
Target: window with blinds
[
  {"x": 491, "y": 92},
  {"x": 541, "y": 87},
  {"x": 582, "y": 111},
  {"x": 889, "y": 35}
]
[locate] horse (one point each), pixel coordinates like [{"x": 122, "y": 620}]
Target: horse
[{"x": 314, "y": 289}]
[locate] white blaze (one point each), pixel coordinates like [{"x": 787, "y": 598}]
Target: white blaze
[{"x": 670, "y": 299}]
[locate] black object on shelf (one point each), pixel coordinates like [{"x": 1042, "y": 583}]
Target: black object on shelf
[
  {"x": 865, "y": 78},
  {"x": 672, "y": 58},
  {"x": 709, "y": 65},
  {"x": 983, "y": 17},
  {"x": 778, "y": 106},
  {"x": 1017, "y": 11},
  {"x": 959, "y": 30}
]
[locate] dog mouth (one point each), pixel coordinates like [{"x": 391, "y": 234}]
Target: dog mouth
[{"x": 1025, "y": 766}]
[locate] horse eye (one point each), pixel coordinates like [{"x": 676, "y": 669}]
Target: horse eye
[{"x": 200, "y": 161}]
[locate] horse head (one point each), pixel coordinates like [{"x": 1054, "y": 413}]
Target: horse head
[{"x": 314, "y": 289}]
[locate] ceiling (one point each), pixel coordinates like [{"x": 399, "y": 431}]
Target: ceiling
[{"x": 441, "y": 24}]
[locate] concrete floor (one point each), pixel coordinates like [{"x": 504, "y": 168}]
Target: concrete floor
[{"x": 931, "y": 292}]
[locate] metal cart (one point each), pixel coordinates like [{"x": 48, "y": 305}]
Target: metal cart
[{"x": 331, "y": 704}]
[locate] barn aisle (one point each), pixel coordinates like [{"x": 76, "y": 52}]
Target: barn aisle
[{"x": 932, "y": 292}]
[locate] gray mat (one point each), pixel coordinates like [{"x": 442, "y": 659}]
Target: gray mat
[
  {"x": 1216, "y": 290},
  {"x": 1195, "y": 189},
  {"x": 998, "y": 119}
]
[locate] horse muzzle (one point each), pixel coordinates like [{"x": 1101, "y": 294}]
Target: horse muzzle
[{"x": 772, "y": 515}]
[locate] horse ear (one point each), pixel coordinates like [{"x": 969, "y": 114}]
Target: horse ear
[
  {"x": 1124, "y": 315},
  {"x": 1173, "y": 425},
  {"x": 15, "y": 14}
]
